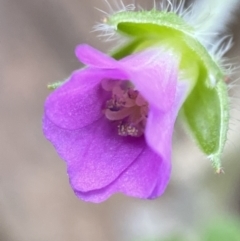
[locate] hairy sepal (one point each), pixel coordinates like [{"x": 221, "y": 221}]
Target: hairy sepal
[
  {"x": 166, "y": 29},
  {"x": 206, "y": 113},
  {"x": 206, "y": 109}
]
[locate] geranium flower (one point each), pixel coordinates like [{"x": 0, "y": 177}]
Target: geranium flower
[{"x": 112, "y": 122}]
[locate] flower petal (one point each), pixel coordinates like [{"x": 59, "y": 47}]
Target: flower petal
[
  {"x": 160, "y": 125},
  {"x": 80, "y": 100},
  {"x": 95, "y": 155},
  {"x": 138, "y": 180},
  {"x": 99, "y": 161},
  {"x": 93, "y": 57},
  {"x": 154, "y": 72}
]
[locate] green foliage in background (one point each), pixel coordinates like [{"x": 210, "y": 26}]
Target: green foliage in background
[
  {"x": 223, "y": 230},
  {"x": 217, "y": 230}
]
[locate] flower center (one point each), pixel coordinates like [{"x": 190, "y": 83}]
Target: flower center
[{"x": 126, "y": 107}]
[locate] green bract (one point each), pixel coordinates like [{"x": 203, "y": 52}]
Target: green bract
[{"x": 206, "y": 109}]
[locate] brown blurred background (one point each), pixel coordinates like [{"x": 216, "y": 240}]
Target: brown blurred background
[{"x": 37, "y": 41}]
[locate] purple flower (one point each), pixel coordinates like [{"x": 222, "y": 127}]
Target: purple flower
[{"x": 112, "y": 122}]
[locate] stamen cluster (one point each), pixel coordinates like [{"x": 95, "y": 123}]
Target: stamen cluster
[{"x": 127, "y": 107}]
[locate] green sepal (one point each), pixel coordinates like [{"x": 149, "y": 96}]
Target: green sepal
[
  {"x": 206, "y": 109},
  {"x": 165, "y": 29},
  {"x": 206, "y": 112},
  {"x": 167, "y": 19},
  {"x": 127, "y": 49}
]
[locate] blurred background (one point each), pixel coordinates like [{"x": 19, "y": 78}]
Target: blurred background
[{"x": 37, "y": 42}]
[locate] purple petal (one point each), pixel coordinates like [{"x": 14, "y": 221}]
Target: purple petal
[
  {"x": 160, "y": 125},
  {"x": 93, "y": 57},
  {"x": 154, "y": 73},
  {"x": 138, "y": 180},
  {"x": 96, "y": 155},
  {"x": 79, "y": 101},
  {"x": 100, "y": 162}
]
